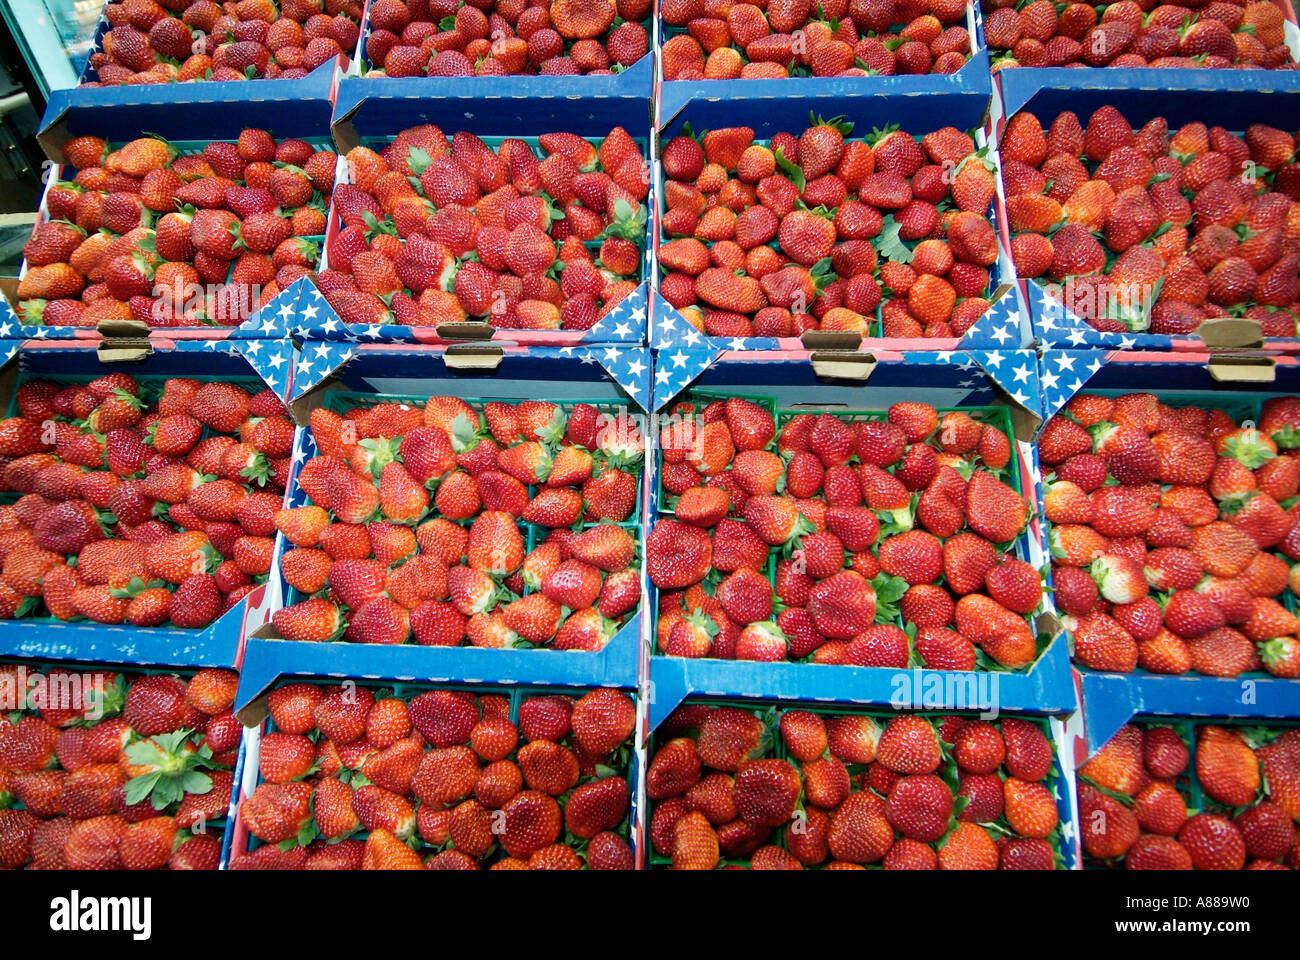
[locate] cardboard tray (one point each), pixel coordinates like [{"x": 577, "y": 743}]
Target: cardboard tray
[
  {"x": 1188, "y": 783},
  {"x": 292, "y": 89},
  {"x": 1244, "y": 97},
  {"x": 181, "y": 668},
  {"x": 213, "y": 112},
  {"x": 221, "y": 643},
  {"x": 1006, "y": 324},
  {"x": 373, "y": 111},
  {"x": 258, "y": 723},
  {"x": 1109, "y": 700},
  {"x": 832, "y": 93},
  {"x": 607, "y": 374},
  {"x": 636, "y": 80},
  {"x": 1062, "y": 779}
]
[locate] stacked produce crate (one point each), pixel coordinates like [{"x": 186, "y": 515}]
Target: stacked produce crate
[{"x": 782, "y": 436}]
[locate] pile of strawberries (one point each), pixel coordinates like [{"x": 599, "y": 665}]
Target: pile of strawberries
[
  {"x": 819, "y": 38},
  {"x": 1170, "y": 545},
  {"x": 841, "y": 791},
  {"x": 442, "y": 780},
  {"x": 107, "y": 771},
  {"x": 432, "y": 230},
  {"x": 419, "y": 519},
  {"x": 818, "y": 231},
  {"x": 135, "y": 508},
  {"x": 179, "y": 40},
  {"x": 1136, "y": 806},
  {"x": 144, "y": 233},
  {"x": 892, "y": 539},
  {"x": 496, "y": 38},
  {"x": 1127, "y": 34},
  {"x": 1156, "y": 229}
]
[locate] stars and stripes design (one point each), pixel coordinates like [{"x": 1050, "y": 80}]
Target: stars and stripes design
[
  {"x": 1002, "y": 326},
  {"x": 316, "y": 361},
  {"x": 676, "y": 367},
  {"x": 1062, "y": 374},
  {"x": 1059, "y": 327},
  {"x": 629, "y": 367},
  {"x": 1015, "y": 371}
]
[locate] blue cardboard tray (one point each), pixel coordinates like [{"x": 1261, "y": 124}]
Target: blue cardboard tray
[
  {"x": 1061, "y": 779},
  {"x": 831, "y": 93},
  {"x": 1006, "y": 324},
  {"x": 637, "y": 80},
  {"x": 1245, "y": 97},
  {"x": 613, "y": 374},
  {"x": 191, "y": 111},
  {"x": 1017, "y": 86},
  {"x": 1110, "y": 699},
  {"x": 373, "y": 111},
  {"x": 973, "y": 378},
  {"x": 220, "y": 643}
]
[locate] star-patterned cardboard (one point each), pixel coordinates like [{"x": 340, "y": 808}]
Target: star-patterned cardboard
[
  {"x": 1109, "y": 700},
  {"x": 217, "y": 645},
  {"x": 609, "y": 374},
  {"x": 967, "y": 379},
  {"x": 373, "y": 111}
]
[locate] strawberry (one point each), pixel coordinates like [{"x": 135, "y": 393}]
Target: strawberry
[
  {"x": 677, "y": 555},
  {"x": 1226, "y": 766}
]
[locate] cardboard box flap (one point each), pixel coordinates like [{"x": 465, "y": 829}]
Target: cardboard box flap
[
  {"x": 468, "y": 330},
  {"x": 1015, "y": 385},
  {"x": 843, "y": 365},
  {"x": 1244, "y": 368},
  {"x": 831, "y": 340},
  {"x": 1002, "y": 325},
  {"x": 316, "y": 367},
  {"x": 1230, "y": 333},
  {"x": 473, "y": 356},
  {"x": 124, "y": 349},
  {"x": 122, "y": 329},
  {"x": 344, "y": 131}
]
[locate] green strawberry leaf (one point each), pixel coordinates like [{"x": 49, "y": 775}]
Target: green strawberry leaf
[
  {"x": 888, "y": 243},
  {"x": 417, "y": 160}
]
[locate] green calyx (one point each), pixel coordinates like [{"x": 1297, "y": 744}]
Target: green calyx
[{"x": 175, "y": 768}]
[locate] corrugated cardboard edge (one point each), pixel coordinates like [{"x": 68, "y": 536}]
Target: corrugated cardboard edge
[
  {"x": 344, "y": 131},
  {"x": 54, "y": 135},
  {"x": 831, "y": 340},
  {"x": 256, "y": 710},
  {"x": 124, "y": 349},
  {"x": 468, "y": 330},
  {"x": 1024, "y": 422},
  {"x": 473, "y": 356},
  {"x": 1230, "y": 333}
]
